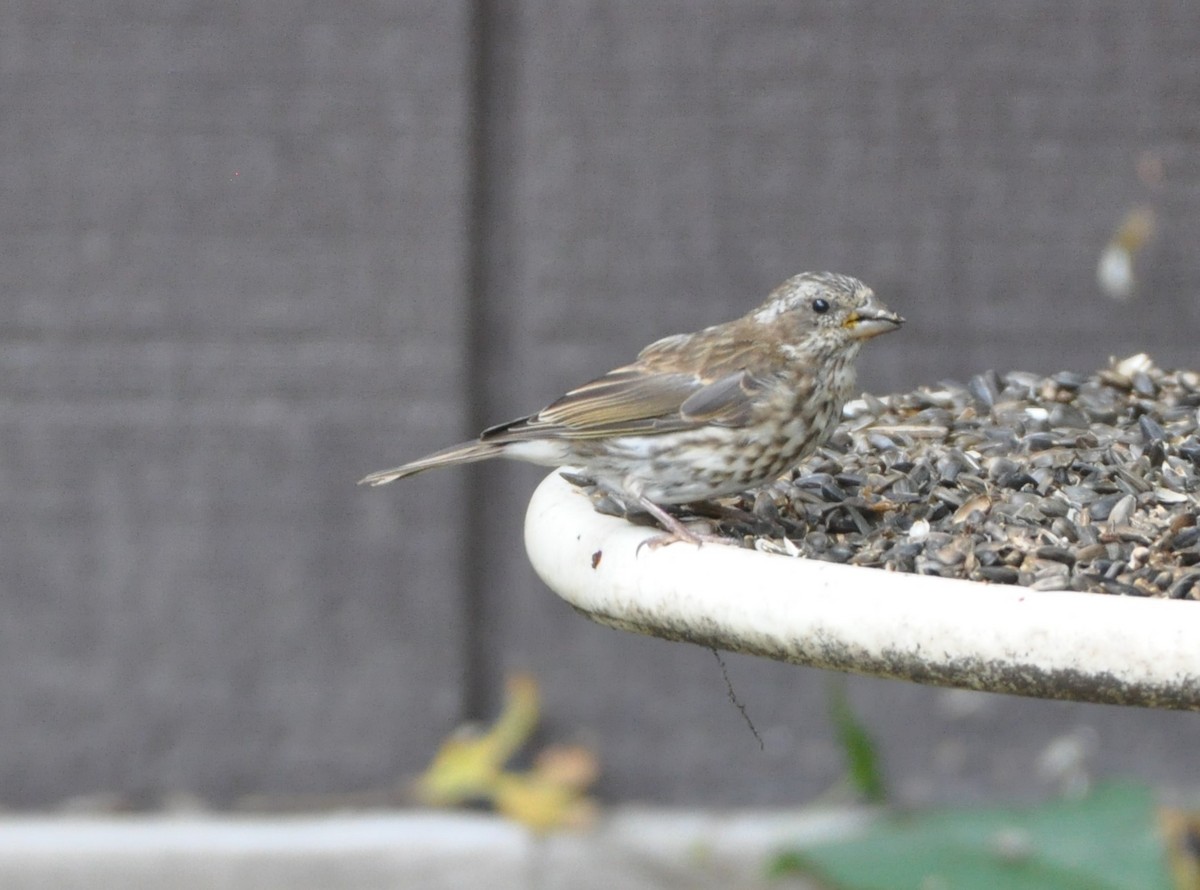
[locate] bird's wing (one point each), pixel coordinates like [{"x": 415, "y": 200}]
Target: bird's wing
[{"x": 636, "y": 400}]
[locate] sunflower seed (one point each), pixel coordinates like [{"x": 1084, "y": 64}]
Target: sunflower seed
[{"x": 1071, "y": 481}]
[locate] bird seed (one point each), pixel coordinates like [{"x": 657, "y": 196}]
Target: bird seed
[{"x": 1065, "y": 482}]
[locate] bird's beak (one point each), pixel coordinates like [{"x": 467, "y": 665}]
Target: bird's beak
[{"x": 872, "y": 320}]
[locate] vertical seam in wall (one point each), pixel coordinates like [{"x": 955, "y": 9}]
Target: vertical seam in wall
[{"x": 481, "y": 61}]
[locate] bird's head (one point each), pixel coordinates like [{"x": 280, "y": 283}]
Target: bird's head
[{"x": 840, "y": 309}]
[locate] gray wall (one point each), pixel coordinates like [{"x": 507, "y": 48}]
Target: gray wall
[{"x": 252, "y": 250}]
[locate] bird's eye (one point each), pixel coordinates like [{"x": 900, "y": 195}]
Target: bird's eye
[{"x": 820, "y": 306}]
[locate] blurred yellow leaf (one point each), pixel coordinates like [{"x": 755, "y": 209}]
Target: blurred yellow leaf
[
  {"x": 466, "y": 766},
  {"x": 1115, "y": 272},
  {"x": 573, "y": 766},
  {"x": 541, "y": 803},
  {"x": 469, "y": 766},
  {"x": 1182, "y": 832}
]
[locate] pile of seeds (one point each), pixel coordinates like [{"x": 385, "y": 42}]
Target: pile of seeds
[{"x": 1067, "y": 482}]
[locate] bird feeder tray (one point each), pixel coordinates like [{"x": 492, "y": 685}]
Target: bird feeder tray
[{"x": 1069, "y": 645}]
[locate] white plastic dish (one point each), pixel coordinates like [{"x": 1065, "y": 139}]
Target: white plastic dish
[{"x": 1000, "y": 638}]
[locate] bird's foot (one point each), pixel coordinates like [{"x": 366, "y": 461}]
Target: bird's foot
[{"x": 676, "y": 531}]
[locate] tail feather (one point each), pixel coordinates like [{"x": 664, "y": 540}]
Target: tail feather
[{"x": 463, "y": 453}]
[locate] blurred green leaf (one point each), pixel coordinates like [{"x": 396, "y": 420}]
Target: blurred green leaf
[
  {"x": 862, "y": 760},
  {"x": 1106, "y": 841}
]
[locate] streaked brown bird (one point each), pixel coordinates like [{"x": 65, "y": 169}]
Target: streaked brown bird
[{"x": 701, "y": 415}]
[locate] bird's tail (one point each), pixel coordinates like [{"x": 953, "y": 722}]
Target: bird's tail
[{"x": 464, "y": 453}]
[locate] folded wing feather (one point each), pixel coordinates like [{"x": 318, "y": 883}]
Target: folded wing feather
[{"x": 636, "y": 401}]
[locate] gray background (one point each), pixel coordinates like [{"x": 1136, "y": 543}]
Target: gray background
[{"x": 252, "y": 250}]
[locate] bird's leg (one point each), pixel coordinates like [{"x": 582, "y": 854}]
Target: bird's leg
[
  {"x": 629, "y": 495},
  {"x": 676, "y": 530}
]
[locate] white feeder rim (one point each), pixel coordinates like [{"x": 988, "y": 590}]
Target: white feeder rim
[{"x": 996, "y": 637}]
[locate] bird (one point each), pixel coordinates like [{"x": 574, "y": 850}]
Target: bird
[{"x": 703, "y": 415}]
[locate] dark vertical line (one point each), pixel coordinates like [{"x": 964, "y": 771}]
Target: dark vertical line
[{"x": 482, "y": 62}]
